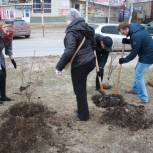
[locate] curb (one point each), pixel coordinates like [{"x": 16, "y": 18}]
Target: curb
[{"x": 48, "y": 25}]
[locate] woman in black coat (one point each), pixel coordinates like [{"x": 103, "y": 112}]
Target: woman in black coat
[{"x": 84, "y": 61}]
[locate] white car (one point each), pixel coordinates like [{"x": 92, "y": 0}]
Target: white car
[{"x": 111, "y": 30}]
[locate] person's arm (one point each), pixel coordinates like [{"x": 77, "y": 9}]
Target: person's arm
[
  {"x": 8, "y": 47},
  {"x": 136, "y": 46},
  {"x": 71, "y": 45},
  {"x": 8, "y": 51},
  {"x": 103, "y": 60}
]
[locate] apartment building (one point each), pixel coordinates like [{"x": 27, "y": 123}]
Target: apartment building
[{"x": 57, "y": 10}]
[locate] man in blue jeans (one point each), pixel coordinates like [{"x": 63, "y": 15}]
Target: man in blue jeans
[{"x": 142, "y": 46}]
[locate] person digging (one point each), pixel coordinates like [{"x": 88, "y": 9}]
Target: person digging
[
  {"x": 142, "y": 45},
  {"x": 103, "y": 46}
]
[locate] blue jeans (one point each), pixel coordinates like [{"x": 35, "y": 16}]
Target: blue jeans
[{"x": 139, "y": 83}]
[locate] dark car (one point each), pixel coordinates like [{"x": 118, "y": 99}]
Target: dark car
[{"x": 20, "y": 28}]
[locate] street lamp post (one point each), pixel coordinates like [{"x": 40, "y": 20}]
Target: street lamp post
[
  {"x": 42, "y": 17},
  {"x": 131, "y": 11},
  {"x": 109, "y": 11},
  {"x": 87, "y": 11}
]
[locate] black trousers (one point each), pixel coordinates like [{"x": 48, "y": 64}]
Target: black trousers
[
  {"x": 3, "y": 82},
  {"x": 79, "y": 79},
  {"x": 101, "y": 74}
]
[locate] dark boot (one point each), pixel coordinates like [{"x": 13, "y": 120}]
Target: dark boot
[{"x": 5, "y": 99}]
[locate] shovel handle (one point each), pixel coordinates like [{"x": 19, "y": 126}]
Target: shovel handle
[
  {"x": 99, "y": 78},
  {"x": 120, "y": 70}
]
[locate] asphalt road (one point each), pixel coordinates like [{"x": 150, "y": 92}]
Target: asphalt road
[{"x": 51, "y": 44}]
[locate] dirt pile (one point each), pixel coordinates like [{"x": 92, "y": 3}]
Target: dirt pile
[
  {"x": 122, "y": 114},
  {"x": 108, "y": 100},
  {"x": 30, "y": 128},
  {"x": 128, "y": 116}
]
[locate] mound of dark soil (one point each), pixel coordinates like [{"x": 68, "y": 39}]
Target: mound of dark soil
[
  {"x": 106, "y": 101},
  {"x": 30, "y": 127},
  {"x": 128, "y": 116},
  {"x": 122, "y": 114},
  {"x": 29, "y": 110}
]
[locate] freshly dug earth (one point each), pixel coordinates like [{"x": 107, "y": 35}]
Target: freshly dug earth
[
  {"x": 108, "y": 100},
  {"x": 122, "y": 114},
  {"x": 57, "y": 93},
  {"x": 29, "y": 127},
  {"x": 128, "y": 116}
]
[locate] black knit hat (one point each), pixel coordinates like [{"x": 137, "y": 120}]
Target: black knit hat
[{"x": 108, "y": 42}]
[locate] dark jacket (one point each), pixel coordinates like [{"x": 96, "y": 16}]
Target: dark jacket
[
  {"x": 74, "y": 35},
  {"x": 141, "y": 43},
  {"x": 102, "y": 54},
  {"x": 7, "y": 44}
]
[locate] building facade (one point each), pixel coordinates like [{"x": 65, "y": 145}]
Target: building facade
[
  {"x": 57, "y": 10},
  {"x": 143, "y": 10}
]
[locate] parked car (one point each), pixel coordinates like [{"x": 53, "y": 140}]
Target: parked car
[
  {"x": 20, "y": 28},
  {"x": 111, "y": 30}
]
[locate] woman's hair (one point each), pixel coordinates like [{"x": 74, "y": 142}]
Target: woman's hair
[{"x": 123, "y": 26}]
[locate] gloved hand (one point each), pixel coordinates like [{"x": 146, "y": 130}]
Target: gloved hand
[
  {"x": 14, "y": 63},
  {"x": 125, "y": 41},
  {"x": 121, "y": 60},
  {"x": 58, "y": 72}
]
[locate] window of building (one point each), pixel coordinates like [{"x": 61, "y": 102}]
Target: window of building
[{"x": 38, "y": 6}]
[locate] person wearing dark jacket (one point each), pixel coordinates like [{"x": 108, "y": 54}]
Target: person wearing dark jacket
[
  {"x": 103, "y": 46},
  {"x": 84, "y": 61},
  {"x": 142, "y": 46},
  {"x": 6, "y": 37}
]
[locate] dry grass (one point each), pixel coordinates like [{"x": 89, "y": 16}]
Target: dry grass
[{"x": 57, "y": 93}]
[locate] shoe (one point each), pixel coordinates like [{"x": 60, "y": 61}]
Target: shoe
[
  {"x": 78, "y": 118},
  {"x": 130, "y": 92},
  {"x": 5, "y": 99},
  {"x": 84, "y": 119},
  {"x": 1, "y": 102},
  {"x": 150, "y": 83},
  {"x": 139, "y": 102}
]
